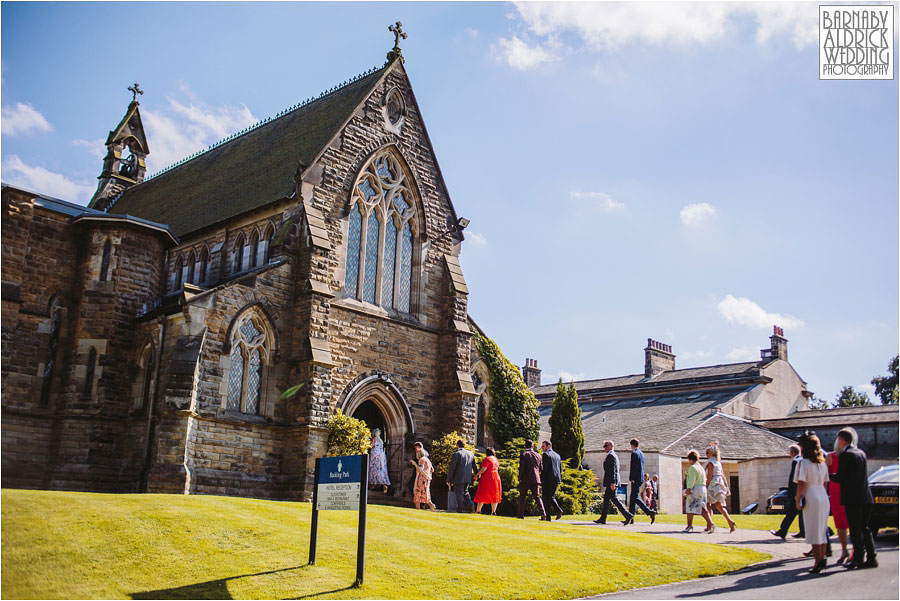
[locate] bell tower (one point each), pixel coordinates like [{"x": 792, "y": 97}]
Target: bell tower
[{"x": 126, "y": 149}]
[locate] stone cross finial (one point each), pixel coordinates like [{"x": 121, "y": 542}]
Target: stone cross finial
[
  {"x": 397, "y": 30},
  {"x": 135, "y": 90}
]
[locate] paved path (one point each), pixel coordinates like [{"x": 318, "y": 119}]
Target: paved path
[{"x": 783, "y": 577}]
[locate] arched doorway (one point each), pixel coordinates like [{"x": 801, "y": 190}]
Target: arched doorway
[{"x": 377, "y": 401}]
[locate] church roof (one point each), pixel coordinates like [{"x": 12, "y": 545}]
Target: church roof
[{"x": 249, "y": 171}]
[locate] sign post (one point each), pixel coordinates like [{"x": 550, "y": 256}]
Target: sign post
[{"x": 341, "y": 484}]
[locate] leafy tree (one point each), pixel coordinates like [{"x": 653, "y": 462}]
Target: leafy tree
[
  {"x": 442, "y": 451},
  {"x": 818, "y": 403},
  {"x": 513, "y": 410},
  {"x": 566, "y": 434},
  {"x": 347, "y": 435},
  {"x": 886, "y": 386},
  {"x": 848, "y": 397}
]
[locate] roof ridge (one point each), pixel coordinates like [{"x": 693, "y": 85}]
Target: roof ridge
[{"x": 264, "y": 121}]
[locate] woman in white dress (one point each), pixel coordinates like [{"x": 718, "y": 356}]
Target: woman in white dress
[
  {"x": 811, "y": 476},
  {"x": 716, "y": 489},
  {"x": 378, "y": 473}
]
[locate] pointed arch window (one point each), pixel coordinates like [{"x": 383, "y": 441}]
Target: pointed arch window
[
  {"x": 200, "y": 266},
  {"x": 250, "y": 349},
  {"x": 50, "y": 360},
  {"x": 147, "y": 366},
  {"x": 104, "y": 263},
  {"x": 262, "y": 253},
  {"x": 252, "y": 251},
  {"x": 187, "y": 274},
  {"x": 179, "y": 267},
  {"x": 239, "y": 251},
  {"x": 381, "y": 235}
]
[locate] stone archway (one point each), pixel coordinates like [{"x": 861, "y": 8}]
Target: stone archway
[{"x": 376, "y": 400}]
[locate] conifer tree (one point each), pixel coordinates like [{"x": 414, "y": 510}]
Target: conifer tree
[{"x": 566, "y": 434}]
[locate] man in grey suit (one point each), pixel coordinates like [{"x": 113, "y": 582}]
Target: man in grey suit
[{"x": 459, "y": 476}]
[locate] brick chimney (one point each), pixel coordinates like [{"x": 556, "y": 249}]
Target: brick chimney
[
  {"x": 658, "y": 357},
  {"x": 777, "y": 348},
  {"x": 531, "y": 373}
]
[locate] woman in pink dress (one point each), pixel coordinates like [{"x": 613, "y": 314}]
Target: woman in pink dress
[
  {"x": 837, "y": 510},
  {"x": 424, "y": 472},
  {"x": 489, "y": 487}
]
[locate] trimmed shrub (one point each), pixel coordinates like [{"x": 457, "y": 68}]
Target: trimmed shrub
[
  {"x": 567, "y": 436},
  {"x": 442, "y": 451},
  {"x": 513, "y": 411},
  {"x": 347, "y": 435}
]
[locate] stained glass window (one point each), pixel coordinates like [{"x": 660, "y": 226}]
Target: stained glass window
[
  {"x": 248, "y": 355},
  {"x": 381, "y": 189},
  {"x": 371, "y": 268},
  {"x": 235, "y": 379},
  {"x": 253, "y": 382},
  {"x": 353, "y": 240},
  {"x": 406, "y": 247}
]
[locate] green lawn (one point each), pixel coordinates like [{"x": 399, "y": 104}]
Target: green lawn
[
  {"x": 749, "y": 522},
  {"x": 85, "y": 545}
]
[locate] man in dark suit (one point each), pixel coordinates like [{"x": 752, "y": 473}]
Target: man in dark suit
[
  {"x": 529, "y": 478},
  {"x": 459, "y": 476},
  {"x": 636, "y": 476},
  {"x": 856, "y": 498},
  {"x": 551, "y": 476},
  {"x": 790, "y": 509},
  {"x": 610, "y": 484}
]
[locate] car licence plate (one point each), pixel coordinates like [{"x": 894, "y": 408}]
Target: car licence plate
[
  {"x": 886, "y": 500},
  {"x": 777, "y": 507}
]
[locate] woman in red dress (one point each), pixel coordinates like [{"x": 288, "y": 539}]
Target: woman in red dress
[
  {"x": 489, "y": 488},
  {"x": 837, "y": 510}
]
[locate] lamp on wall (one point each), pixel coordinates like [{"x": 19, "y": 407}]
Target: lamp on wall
[{"x": 454, "y": 227}]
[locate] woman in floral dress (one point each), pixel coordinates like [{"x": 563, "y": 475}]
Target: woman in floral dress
[
  {"x": 695, "y": 493},
  {"x": 424, "y": 472},
  {"x": 378, "y": 473}
]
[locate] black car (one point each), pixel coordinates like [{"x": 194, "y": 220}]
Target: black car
[
  {"x": 883, "y": 485},
  {"x": 777, "y": 502}
]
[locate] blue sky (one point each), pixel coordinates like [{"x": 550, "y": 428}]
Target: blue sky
[{"x": 631, "y": 170}]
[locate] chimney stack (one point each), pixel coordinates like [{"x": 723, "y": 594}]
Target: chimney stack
[
  {"x": 658, "y": 357},
  {"x": 777, "y": 348},
  {"x": 531, "y": 374}
]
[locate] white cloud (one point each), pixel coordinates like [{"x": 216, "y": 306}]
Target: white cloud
[
  {"x": 604, "y": 25},
  {"x": 22, "y": 119},
  {"x": 568, "y": 377},
  {"x": 95, "y": 147},
  {"x": 476, "y": 239},
  {"x": 519, "y": 55},
  {"x": 746, "y": 353},
  {"x": 697, "y": 214},
  {"x": 38, "y": 179},
  {"x": 472, "y": 33},
  {"x": 689, "y": 355},
  {"x": 187, "y": 128},
  {"x": 603, "y": 200},
  {"x": 745, "y": 312}
]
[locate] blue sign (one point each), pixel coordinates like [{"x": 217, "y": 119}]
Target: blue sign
[{"x": 340, "y": 470}]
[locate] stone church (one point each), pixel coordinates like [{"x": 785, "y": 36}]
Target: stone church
[{"x": 148, "y": 337}]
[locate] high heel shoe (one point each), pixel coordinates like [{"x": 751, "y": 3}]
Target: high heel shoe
[
  {"x": 820, "y": 565},
  {"x": 712, "y": 529},
  {"x": 689, "y": 529},
  {"x": 844, "y": 557}
]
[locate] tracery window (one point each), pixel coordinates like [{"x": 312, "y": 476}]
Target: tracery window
[
  {"x": 381, "y": 235},
  {"x": 249, "y": 352},
  {"x": 50, "y": 361}
]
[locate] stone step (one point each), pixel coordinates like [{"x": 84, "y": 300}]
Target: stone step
[{"x": 379, "y": 498}]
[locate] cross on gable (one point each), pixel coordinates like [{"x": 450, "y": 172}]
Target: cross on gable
[
  {"x": 397, "y": 30},
  {"x": 135, "y": 90}
]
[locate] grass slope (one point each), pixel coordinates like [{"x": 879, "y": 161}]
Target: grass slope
[{"x": 85, "y": 545}]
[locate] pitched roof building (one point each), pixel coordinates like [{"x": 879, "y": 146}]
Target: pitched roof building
[
  {"x": 147, "y": 338},
  {"x": 671, "y": 411}
]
